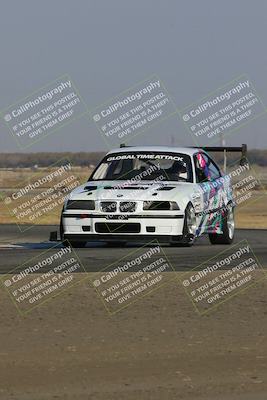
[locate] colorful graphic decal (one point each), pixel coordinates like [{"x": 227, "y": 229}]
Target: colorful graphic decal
[{"x": 216, "y": 195}]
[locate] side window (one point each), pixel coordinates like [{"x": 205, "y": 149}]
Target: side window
[
  {"x": 201, "y": 164},
  {"x": 214, "y": 171},
  {"x": 206, "y": 169}
]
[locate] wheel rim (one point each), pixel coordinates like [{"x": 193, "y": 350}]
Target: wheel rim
[
  {"x": 191, "y": 221},
  {"x": 231, "y": 223}
]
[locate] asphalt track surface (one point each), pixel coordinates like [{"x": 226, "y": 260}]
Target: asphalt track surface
[{"x": 18, "y": 247}]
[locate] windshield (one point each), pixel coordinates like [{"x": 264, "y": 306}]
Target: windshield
[{"x": 144, "y": 166}]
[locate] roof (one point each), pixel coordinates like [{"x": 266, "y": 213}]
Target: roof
[{"x": 185, "y": 150}]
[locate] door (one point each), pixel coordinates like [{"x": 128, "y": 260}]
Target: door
[{"x": 213, "y": 198}]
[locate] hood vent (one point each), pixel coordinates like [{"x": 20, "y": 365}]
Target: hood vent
[
  {"x": 90, "y": 188},
  {"x": 126, "y": 187},
  {"x": 166, "y": 188}
]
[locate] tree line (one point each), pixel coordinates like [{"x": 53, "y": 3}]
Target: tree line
[
  {"x": 45, "y": 159},
  {"x": 85, "y": 159}
]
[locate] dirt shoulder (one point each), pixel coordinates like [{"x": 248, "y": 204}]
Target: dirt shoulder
[{"x": 158, "y": 348}]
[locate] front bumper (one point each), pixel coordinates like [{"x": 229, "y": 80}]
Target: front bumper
[{"x": 80, "y": 226}]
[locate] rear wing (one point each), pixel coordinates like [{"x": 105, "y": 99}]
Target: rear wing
[{"x": 225, "y": 149}]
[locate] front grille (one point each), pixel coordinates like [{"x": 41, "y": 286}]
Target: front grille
[
  {"x": 80, "y": 205},
  {"x": 157, "y": 205},
  {"x": 102, "y": 227},
  {"x": 127, "y": 206},
  {"x": 108, "y": 206}
]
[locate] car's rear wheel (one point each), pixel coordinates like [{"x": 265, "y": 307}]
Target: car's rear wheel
[{"x": 228, "y": 228}]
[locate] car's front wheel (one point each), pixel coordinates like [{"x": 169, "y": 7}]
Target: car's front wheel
[
  {"x": 190, "y": 226},
  {"x": 189, "y": 229},
  {"x": 228, "y": 229}
]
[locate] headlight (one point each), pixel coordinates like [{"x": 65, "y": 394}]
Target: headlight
[
  {"x": 160, "y": 205},
  {"x": 80, "y": 205}
]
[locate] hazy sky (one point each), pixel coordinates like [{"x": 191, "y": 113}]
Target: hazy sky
[{"x": 107, "y": 46}]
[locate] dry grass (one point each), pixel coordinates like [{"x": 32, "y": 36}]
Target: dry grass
[
  {"x": 253, "y": 214},
  {"x": 12, "y": 178}
]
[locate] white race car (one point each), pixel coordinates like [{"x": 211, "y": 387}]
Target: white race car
[{"x": 144, "y": 193}]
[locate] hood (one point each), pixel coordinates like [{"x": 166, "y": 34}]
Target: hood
[{"x": 111, "y": 190}]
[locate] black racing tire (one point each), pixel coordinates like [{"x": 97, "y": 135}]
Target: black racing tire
[
  {"x": 189, "y": 229},
  {"x": 228, "y": 228}
]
